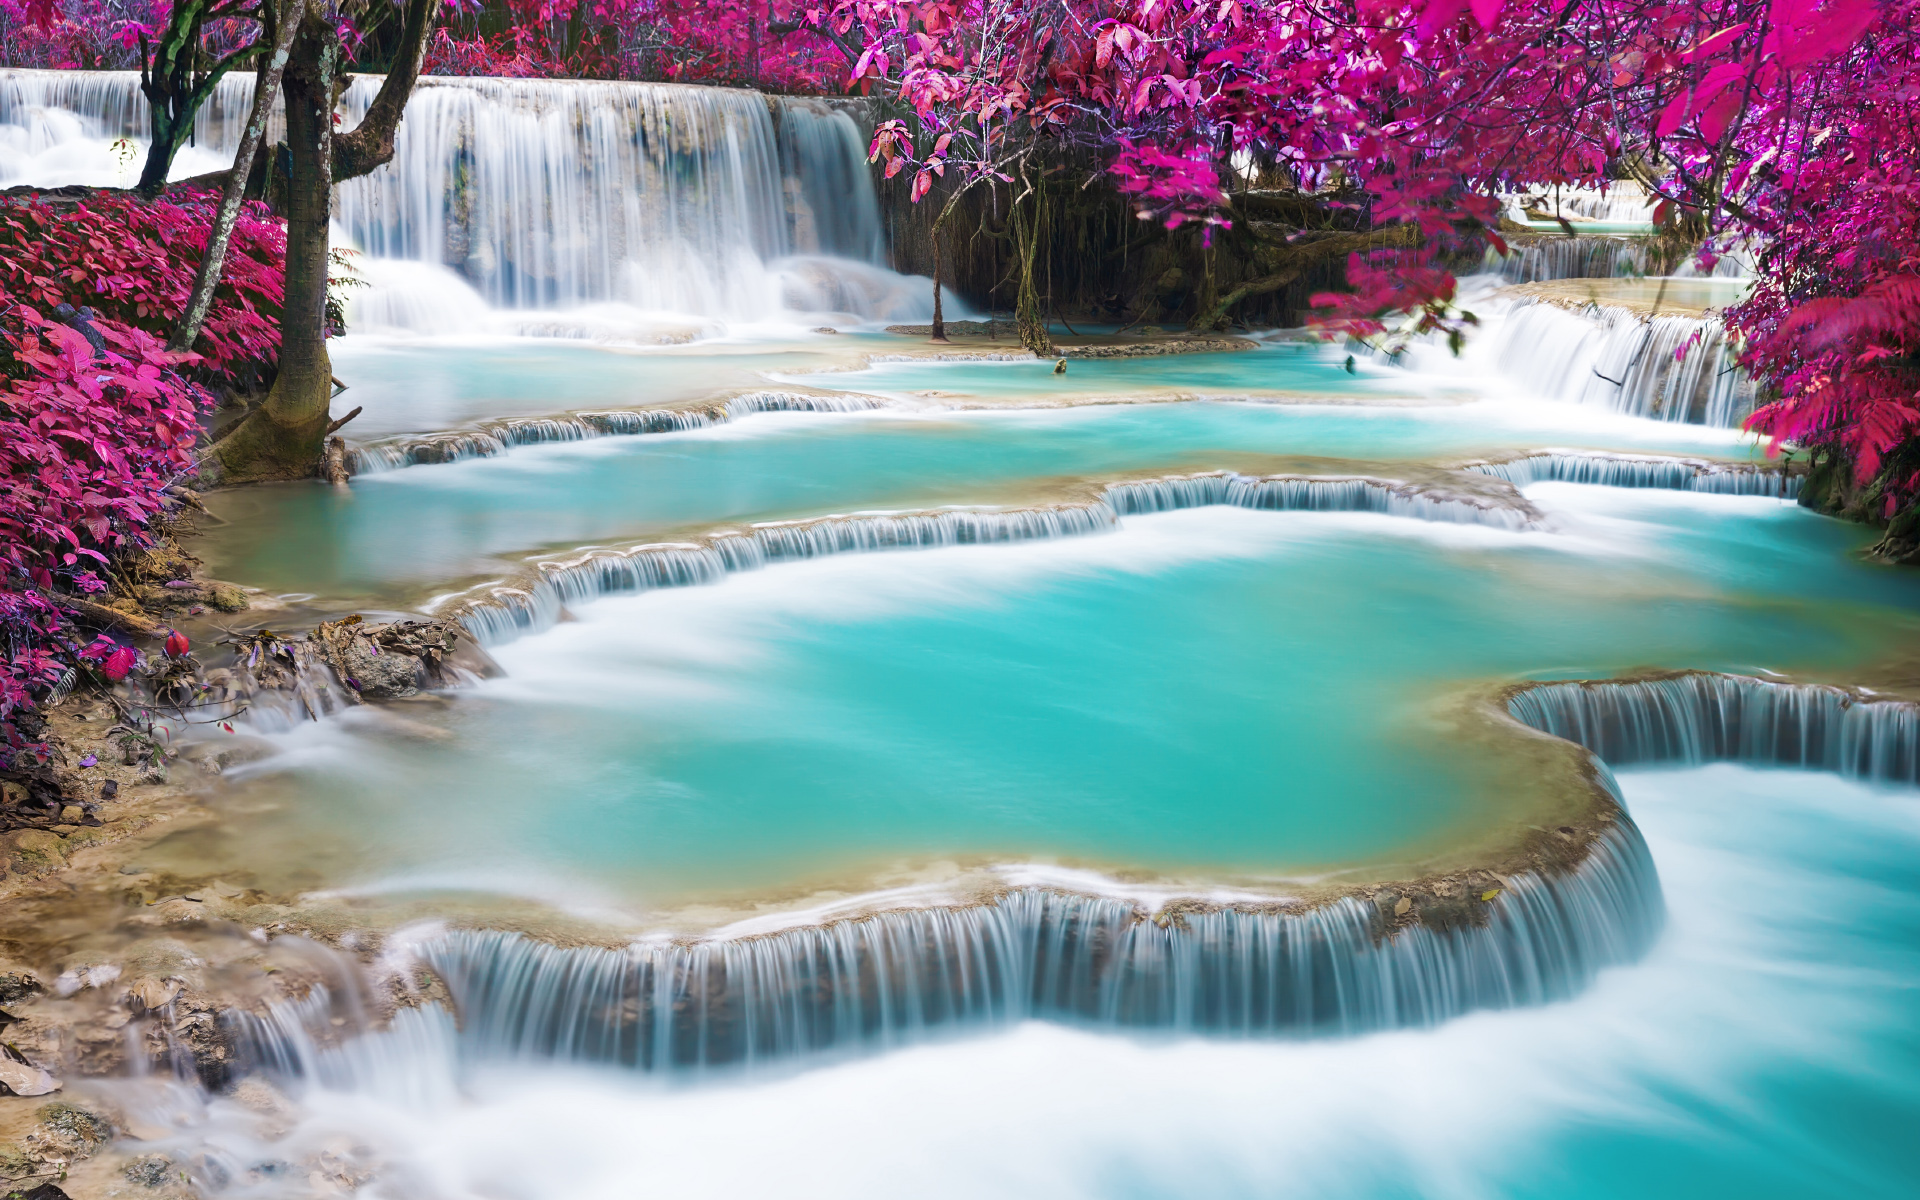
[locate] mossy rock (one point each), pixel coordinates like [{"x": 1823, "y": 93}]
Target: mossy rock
[
  {"x": 165, "y": 562},
  {"x": 33, "y": 850},
  {"x": 225, "y": 596}
]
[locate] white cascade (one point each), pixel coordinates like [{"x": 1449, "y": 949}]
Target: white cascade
[
  {"x": 506, "y": 613},
  {"x": 716, "y": 204},
  {"x": 1669, "y": 368}
]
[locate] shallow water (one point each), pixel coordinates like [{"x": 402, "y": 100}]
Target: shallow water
[
  {"x": 398, "y": 532},
  {"x": 424, "y": 386},
  {"x": 1768, "y": 1047},
  {"x": 1215, "y": 693}
]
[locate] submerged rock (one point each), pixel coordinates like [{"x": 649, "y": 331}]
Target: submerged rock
[
  {"x": 391, "y": 661},
  {"x": 22, "y": 1078}
]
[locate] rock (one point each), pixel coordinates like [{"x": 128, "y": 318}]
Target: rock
[
  {"x": 165, "y": 561},
  {"x": 225, "y": 596},
  {"x": 378, "y": 674},
  {"x": 32, "y": 851},
  {"x": 25, "y": 1079},
  {"x": 16, "y": 986},
  {"x": 154, "y": 993},
  {"x": 1404, "y": 906},
  {"x": 66, "y": 1134},
  {"x": 150, "y": 1171}
]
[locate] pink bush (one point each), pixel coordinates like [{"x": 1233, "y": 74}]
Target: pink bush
[{"x": 89, "y": 441}]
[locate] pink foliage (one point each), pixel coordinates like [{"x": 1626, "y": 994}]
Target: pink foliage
[{"x": 90, "y": 439}]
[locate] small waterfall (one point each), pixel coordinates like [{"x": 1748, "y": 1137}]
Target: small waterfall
[
  {"x": 898, "y": 977},
  {"x": 1699, "y": 717},
  {"x": 1622, "y": 200},
  {"x": 1625, "y": 471},
  {"x": 1283, "y": 494},
  {"x": 506, "y": 613},
  {"x": 698, "y": 201},
  {"x": 1543, "y": 259},
  {"x": 497, "y": 437},
  {"x": 1668, "y": 368}
]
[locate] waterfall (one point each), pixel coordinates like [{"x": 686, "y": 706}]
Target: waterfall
[
  {"x": 1626, "y": 471},
  {"x": 505, "y": 613},
  {"x": 497, "y": 437},
  {"x": 897, "y": 977},
  {"x": 1699, "y": 717},
  {"x": 1540, "y": 259},
  {"x": 538, "y": 194},
  {"x": 1669, "y": 368}
]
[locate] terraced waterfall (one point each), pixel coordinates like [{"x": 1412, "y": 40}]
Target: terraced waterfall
[{"x": 893, "y": 769}]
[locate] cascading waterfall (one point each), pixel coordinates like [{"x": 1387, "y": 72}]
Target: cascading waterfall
[
  {"x": 705, "y": 202},
  {"x": 1622, "y": 201},
  {"x": 1698, "y": 717},
  {"x": 509, "y": 612},
  {"x": 1627, "y": 471},
  {"x": 897, "y": 977},
  {"x": 497, "y": 437},
  {"x": 1576, "y": 257},
  {"x": 1669, "y": 368}
]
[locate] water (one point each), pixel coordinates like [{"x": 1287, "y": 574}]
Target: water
[
  {"x": 647, "y": 212},
  {"x": 1766, "y": 1046},
  {"x": 1128, "y": 783},
  {"x": 822, "y": 721},
  {"x": 400, "y": 531}
]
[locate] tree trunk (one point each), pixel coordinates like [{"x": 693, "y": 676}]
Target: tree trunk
[
  {"x": 176, "y": 84},
  {"x": 371, "y": 143},
  {"x": 291, "y": 14},
  {"x": 939, "y": 319},
  {"x": 1029, "y": 321},
  {"x": 285, "y": 436}
]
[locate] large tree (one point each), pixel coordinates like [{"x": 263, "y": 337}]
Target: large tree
[{"x": 285, "y": 436}]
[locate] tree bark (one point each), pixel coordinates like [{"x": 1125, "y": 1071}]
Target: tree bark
[
  {"x": 285, "y": 27},
  {"x": 174, "y": 88},
  {"x": 939, "y": 319},
  {"x": 1302, "y": 255},
  {"x": 1029, "y": 322},
  {"x": 370, "y": 144},
  {"x": 284, "y": 437}
]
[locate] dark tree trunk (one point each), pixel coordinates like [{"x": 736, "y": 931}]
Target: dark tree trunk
[
  {"x": 176, "y": 82},
  {"x": 939, "y": 318},
  {"x": 284, "y": 437},
  {"x": 370, "y": 145},
  {"x": 1028, "y": 320},
  {"x": 281, "y": 28}
]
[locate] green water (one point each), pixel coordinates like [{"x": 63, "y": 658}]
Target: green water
[
  {"x": 399, "y": 532},
  {"x": 1218, "y": 693},
  {"x": 1287, "y": 367},
  {"x": 424, "y": 387}
]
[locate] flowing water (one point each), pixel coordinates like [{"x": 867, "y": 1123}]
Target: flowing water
[{"x": 957, "y": 778}]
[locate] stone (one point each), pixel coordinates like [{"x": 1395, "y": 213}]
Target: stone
[
  {"x": 154, "y": 993},
  {"x": 380, "y": 675},
  {"x": 25, "y": 1079},
  {"x": 150, "y": 1171},
  {"x": 16, "y": 986},
  {"x": 32, "y": 851},
  {"x": 225, "y": 596}
]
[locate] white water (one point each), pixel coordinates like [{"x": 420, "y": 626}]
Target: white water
[
  {"x": 505, "y": 613},
  {"x": 1672, "y": 368},
  {"x": 643, "y": 212},
  {"x": 1774, "y": 976}
]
